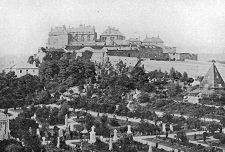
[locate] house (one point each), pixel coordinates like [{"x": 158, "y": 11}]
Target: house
[
  {"x": 22, "y": 69},
  {"x": 111, "y": 34}
]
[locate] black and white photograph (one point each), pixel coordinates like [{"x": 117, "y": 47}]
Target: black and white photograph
[{"x": 112, "y": 76}]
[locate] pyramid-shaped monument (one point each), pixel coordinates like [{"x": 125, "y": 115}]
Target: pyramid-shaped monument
[{"x": 212, "y": 79}]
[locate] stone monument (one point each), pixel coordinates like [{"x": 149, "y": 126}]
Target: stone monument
[
  {"x": 38, "y": 132},
  {"x": 171, "y": 127},
  {"x": 115, "y": 138},
  {"x": 60, "y": 132},
  {"x": 66, "y": 120},
  {"x": 163, "y": 127},
  {"x": 44, "y": 142},
  {"x": 58, "y": 142},
  {"x": 4, "y": 126},
  {"x": 110, "y": 144},
  {"x": 92, "y": 135},
  {"x": 150, "y": 148},
  {"x": 129, "y": 129}
]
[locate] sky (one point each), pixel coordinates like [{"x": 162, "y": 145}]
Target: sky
[{"x": 196, "y": 26}]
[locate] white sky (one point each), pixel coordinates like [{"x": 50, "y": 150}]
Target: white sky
[{"x": 192, "y": 25}]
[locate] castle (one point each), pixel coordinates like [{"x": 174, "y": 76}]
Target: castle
[{"x": 113, "y": 43}]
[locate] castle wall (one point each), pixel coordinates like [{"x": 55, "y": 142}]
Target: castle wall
[{"x": 57, "y": 41}]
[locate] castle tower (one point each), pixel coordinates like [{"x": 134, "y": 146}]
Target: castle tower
[{"x": 212, "y": 79}]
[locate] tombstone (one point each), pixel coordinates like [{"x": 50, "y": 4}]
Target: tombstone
[
  {"x": 60, "y": 133},
  {"x": 72, "y": 127},
  {"x": 117, "y": 107},
  {"x": 66, "y": 120},
  {"x": 44, "y": 141},
  {"x": 150, "y": 148},
  {"x": 58, "y": 142},
  {"x": 129, "y": 129},
  {"x": 35, "y": 116},
  {"x": 30, "y": 130},
  {"x": 101, "y": 138},
  {"x": 92, "y": 135},
  {"x": 115, "y": 138},
  {"x": 171, "y": 127},
  {"x": 110, "y": 144},
  {"x": 223, "y": 130},
  {"x": 38, "y": 132},
  {"x": 163, "y": 127}
]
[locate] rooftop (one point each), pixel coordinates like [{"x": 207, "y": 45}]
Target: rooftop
[
  {"x": 153, "y": 40},
  {"x": 112, "y": 31},
  {"x": 59, "y": 30},
  {"x": 82, "y": 29},
  {"x": 22, "y": 65}
]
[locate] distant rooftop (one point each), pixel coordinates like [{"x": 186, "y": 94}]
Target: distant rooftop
[
  {"x": 22, "y": 65},
  {"x": 153, "y": 40},
  {"x": 82, "y": 28},
  {"x": 58, "y": 30},
  {"x": 112, "y": 31}
]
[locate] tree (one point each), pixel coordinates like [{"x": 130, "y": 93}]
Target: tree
[
  {"x": 182, "y": 136},
  {"x": 43, "y": 97},
  {"x": 89, "y": 121},
  {"x": 43, "y": 114},
  {"x": 184, "y": 77},
  {"x": 144, "y": 98},
  {"x": 13, "y": 148},
  {"x": 172, "y": 73},
  {"x": 174, "y": 90},
  {"x": 47, "y": 70},
  {"x": 212, "y": 127}
]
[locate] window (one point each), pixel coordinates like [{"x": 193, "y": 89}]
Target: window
[
  {"x": 33, "y": 71},
  {"x": 82, "y": 38},
  {"x": 26, "y": 71},
  {"x": 103, "y": 38},
  {"x": 88, "y": 37},
  {"x": 21, "y": 71}
]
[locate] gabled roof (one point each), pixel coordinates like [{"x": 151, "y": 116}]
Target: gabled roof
[
  {"x": 112, "y": 31},
  {"x": 213, "y": 79}
]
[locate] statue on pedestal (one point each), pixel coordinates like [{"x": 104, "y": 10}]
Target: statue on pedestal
[{"x": 92, "y": 135}]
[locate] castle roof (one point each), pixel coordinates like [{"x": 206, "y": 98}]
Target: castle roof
[
  {"x": 213, "y": 79},
  {"x": 112, "y": 31}
]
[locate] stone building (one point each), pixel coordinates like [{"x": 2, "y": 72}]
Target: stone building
[
  {"x": 82, "y": 35},
  {"x": 111, "y": 34},
  {"x": 57, "y": 38},
  {"x": 153, "y": 41},
  {"x": 188, "y": 56},
  {"x": 134, "y": 41},
  {"x": 123, "y": 51},
  {"x": 4, "y": 126},
  {"x": 22, "y": 69},
  {"x": 153, "y": 53}
]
